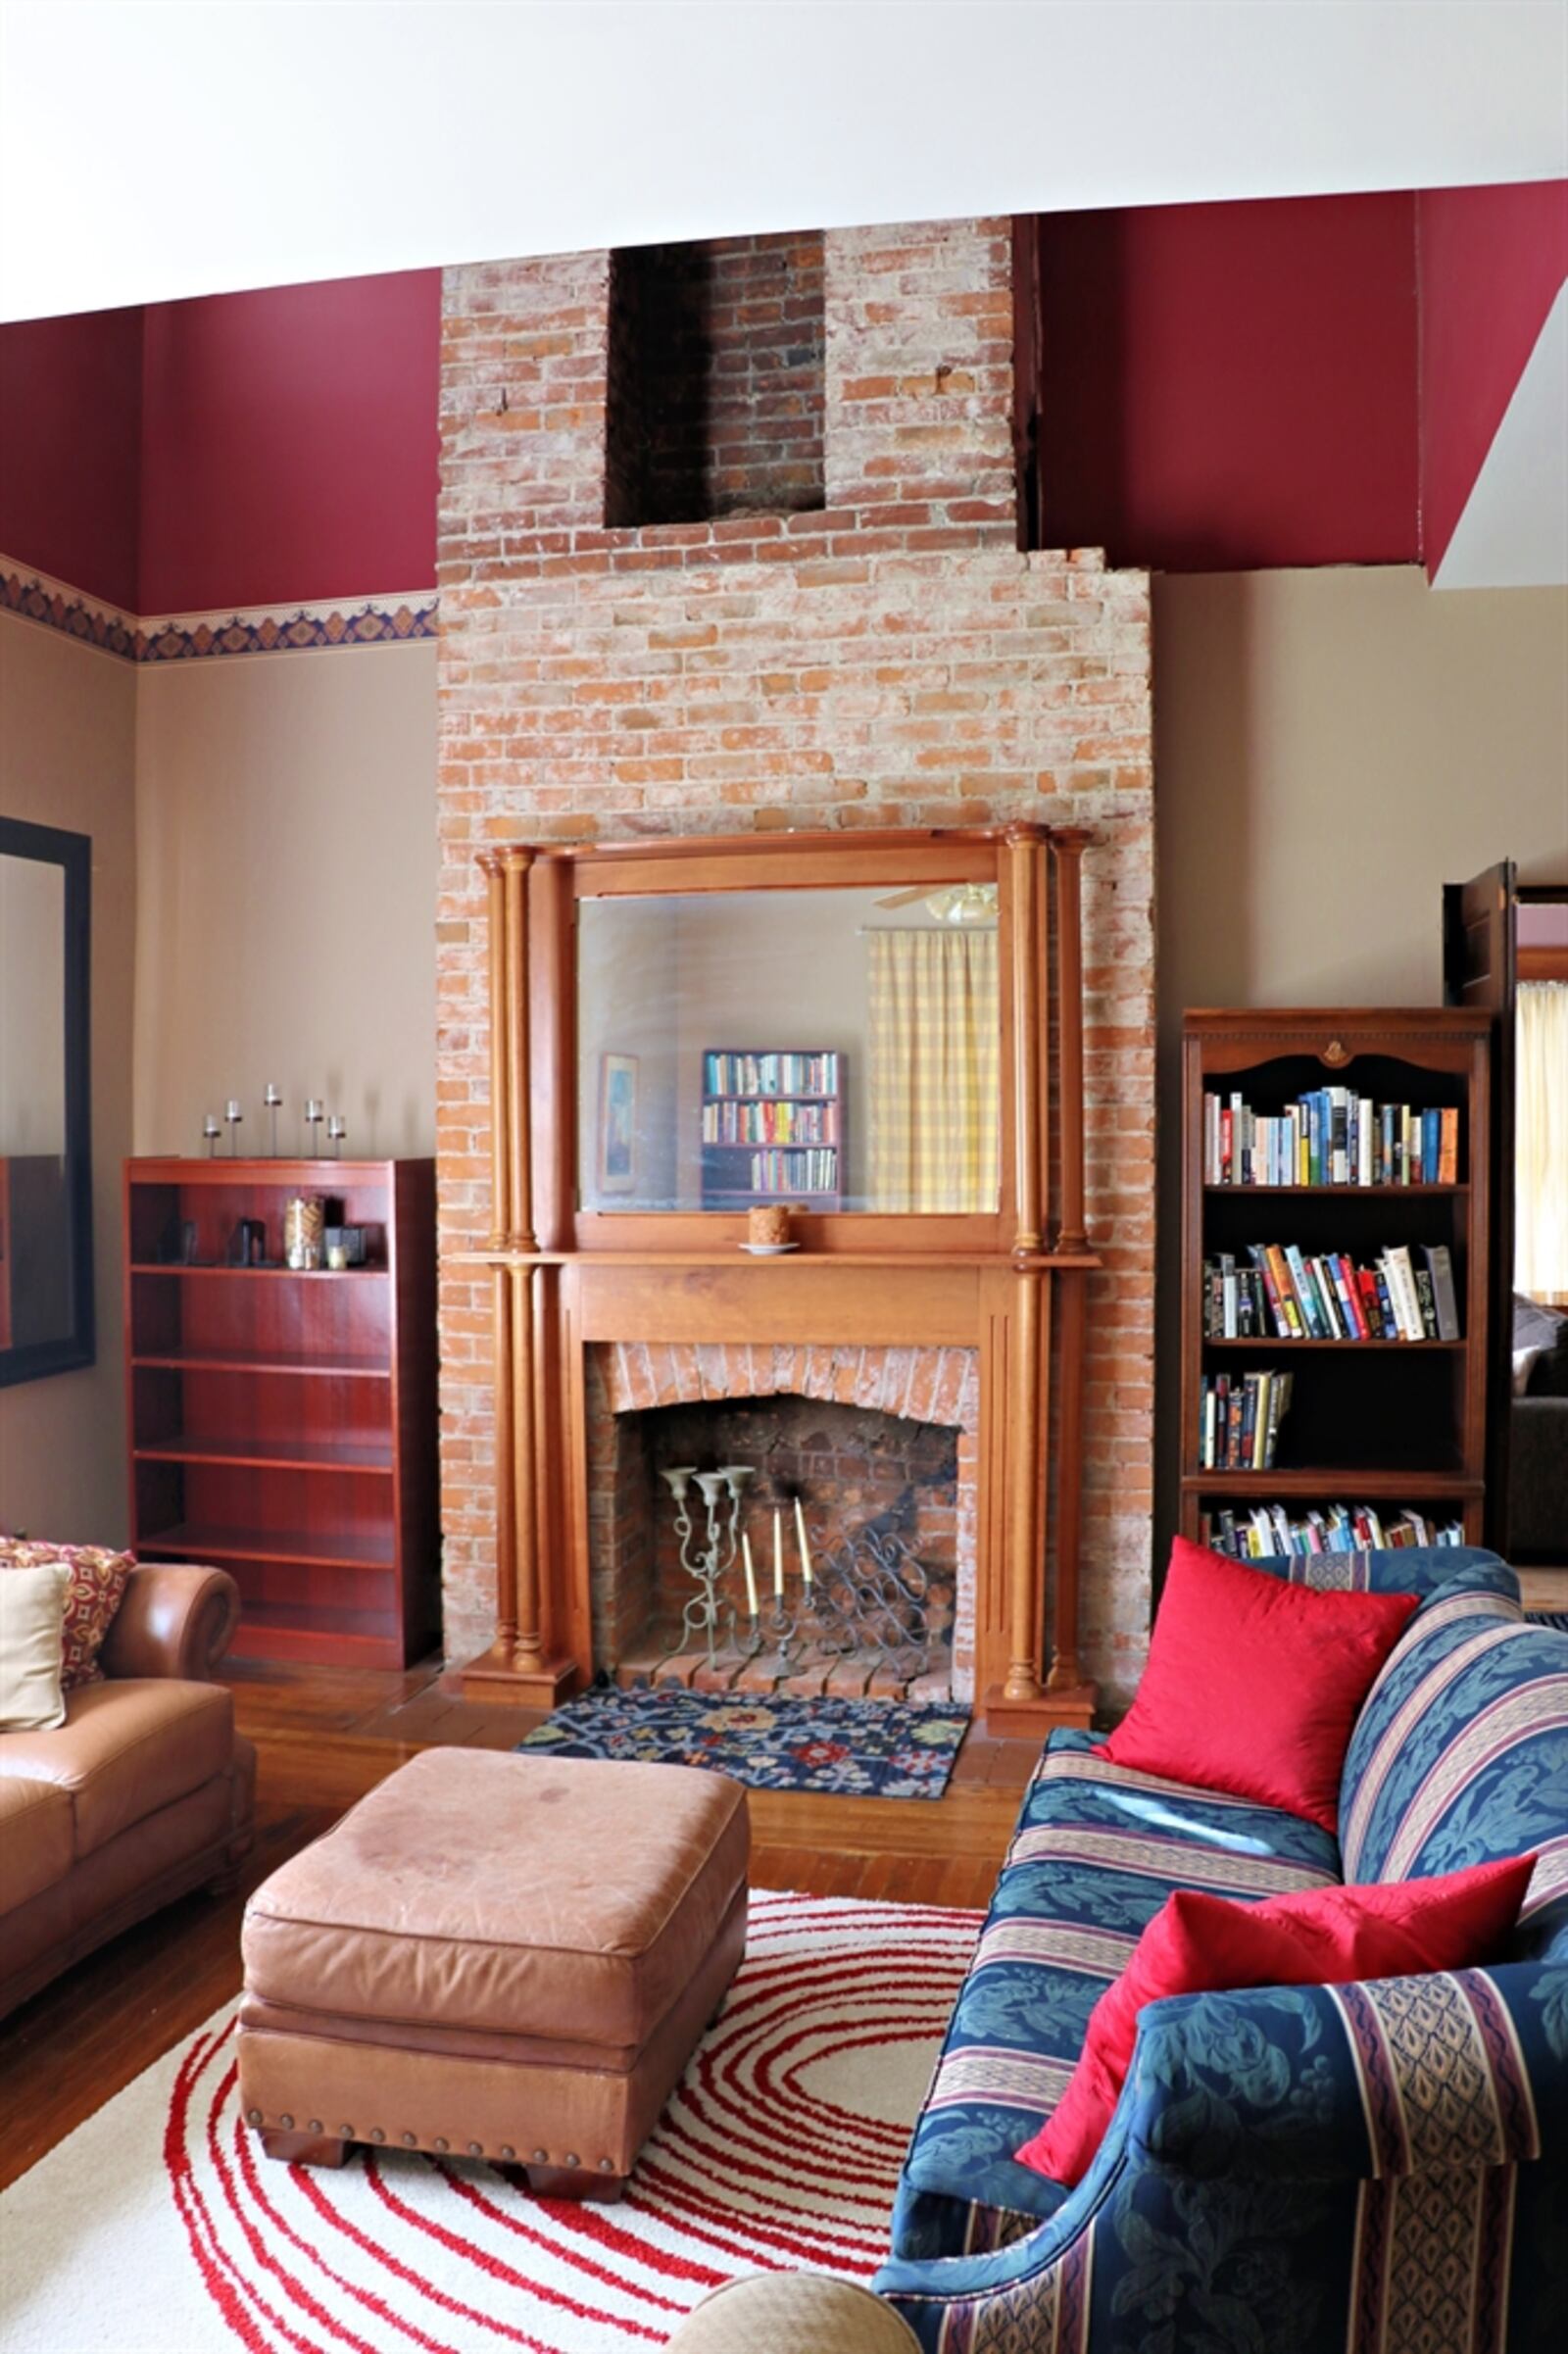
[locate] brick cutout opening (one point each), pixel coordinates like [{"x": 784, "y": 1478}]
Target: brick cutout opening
[
  {"x": 884, "y": 1436},
  {"x": 716, "y": 380}
]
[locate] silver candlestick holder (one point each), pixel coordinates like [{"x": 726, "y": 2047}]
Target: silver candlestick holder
[{"x": 707, "y": 1562}]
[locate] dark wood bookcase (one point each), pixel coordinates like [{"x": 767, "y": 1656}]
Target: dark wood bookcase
[
  {"x": 1396, "y": 1425},
  {"x": 727, "y": 1166},
  {"x": 281, "y": 1423}
]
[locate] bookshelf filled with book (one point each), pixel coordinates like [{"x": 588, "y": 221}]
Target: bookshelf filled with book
[
  {"x": 773, "y": 1127},
  {"x": 1333, "y": 1278}
]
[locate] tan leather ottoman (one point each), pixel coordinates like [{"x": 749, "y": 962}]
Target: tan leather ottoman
[{"x": 495, "y": 1956}]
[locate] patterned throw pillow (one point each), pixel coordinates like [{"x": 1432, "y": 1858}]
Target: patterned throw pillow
[{"x": 97, "y": 1584}]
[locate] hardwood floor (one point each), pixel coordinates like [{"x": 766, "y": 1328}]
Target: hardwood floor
[{"x": 324, "y": 1736}]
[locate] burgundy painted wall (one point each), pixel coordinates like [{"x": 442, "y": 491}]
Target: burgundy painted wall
[
  {"x": 291, "y": 444},
  {"x": 1490, "y": 264},
  {"x": 70, "y": 449},
  {"x": 1230, "y": 386}
]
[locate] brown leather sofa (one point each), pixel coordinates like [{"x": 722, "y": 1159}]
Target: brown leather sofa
[{"x": 144, "y": 1793}]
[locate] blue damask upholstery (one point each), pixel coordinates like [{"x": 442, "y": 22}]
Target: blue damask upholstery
[
  {"x": 1461, "y": 1755},
  {"x": 1349, "y": 2170},
  {"x": 1097, "y": 1849}
]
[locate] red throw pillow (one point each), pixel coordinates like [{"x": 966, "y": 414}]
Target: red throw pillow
[
  {"x": 97, "y": 1587},
  {"x": 1253, "y": 1685},
  {"x": 1197, "y": 1945}
]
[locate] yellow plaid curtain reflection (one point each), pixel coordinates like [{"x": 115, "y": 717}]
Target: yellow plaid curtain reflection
[{"x": 934, "y": 1044}]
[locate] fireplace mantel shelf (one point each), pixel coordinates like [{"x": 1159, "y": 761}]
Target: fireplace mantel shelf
[{"x": 734, "y": 1256}]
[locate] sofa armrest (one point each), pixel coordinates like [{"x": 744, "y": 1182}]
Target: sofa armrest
[
  {"x": 1277, "y": 2085},
  {"x": 1395, "y": 2076},
  {"x": 173, "y": 1621}
]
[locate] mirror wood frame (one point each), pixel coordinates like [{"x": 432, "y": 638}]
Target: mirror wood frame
[
  {"x": 72, "y": 852},
  {"x": 558, "y": 879}
]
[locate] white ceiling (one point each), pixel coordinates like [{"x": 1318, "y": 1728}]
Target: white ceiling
[{"x": 192, "y": 146}]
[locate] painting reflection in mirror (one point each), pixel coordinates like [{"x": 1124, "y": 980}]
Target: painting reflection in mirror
[
  {"x": 46, "y": 1318},
  {"x": 836, "y": 1048}
]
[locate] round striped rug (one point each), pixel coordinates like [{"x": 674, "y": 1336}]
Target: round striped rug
[{"x": 159, "y": 2224}]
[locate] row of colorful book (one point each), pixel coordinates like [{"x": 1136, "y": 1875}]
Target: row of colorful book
[
  {"x": 769, "y": 1120},
  {"x": 1269, "y": 1531},
  {"x": 1328, "y": 1137},
  {"x": 731, "y": 1074},
  {"x": 1240, "y": 1420},
  {"x": 780, "y": 1172},
  {"x": 1328, "y": 1296}
]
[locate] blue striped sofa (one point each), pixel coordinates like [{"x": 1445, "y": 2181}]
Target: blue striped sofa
[{"x": 1369, "y": 2169}]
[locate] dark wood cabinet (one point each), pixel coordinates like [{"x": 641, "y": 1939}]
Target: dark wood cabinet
[
  {"x": 1396, "y": 1425},
  {"x": 281, "y": 1421}
]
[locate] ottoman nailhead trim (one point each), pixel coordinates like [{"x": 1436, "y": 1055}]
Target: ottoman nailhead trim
[
  {"x": 253, "y": 2117},
  {"x": 411, "y": 2140},
  {"x": 347, "y": 2132},
  {"x": 541, "y": 2157},
  {"x": 572, "y": 2158},
  {"x": 315, "y": 2125},
  {"x": 477, "y": 2149},
  {"x": 506, "y": 2150},
  {"x": 286, "y": 2122},
  {"x": 441, "y": 2142},
  {"x": 377, "y": 2133},
  {"x": 607, "y": 2166}
]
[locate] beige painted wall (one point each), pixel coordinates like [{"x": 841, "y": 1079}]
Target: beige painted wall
[
  {"x": 286, "y": 848},
  {"x": 1330, "y": 748},
  {"x": 68, "y": 759}
]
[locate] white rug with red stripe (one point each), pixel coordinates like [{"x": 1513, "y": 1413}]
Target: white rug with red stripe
[{"x": 159, "y": 2225}]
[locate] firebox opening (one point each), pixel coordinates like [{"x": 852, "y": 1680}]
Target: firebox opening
[
  {"x": 716, "y": 380},
  {"x": 879, "y": 1498}
]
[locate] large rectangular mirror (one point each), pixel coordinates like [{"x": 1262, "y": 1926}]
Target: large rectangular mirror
[
  {"x": 834, "y": 1048},
  {"x": 46, "y": 1297}
]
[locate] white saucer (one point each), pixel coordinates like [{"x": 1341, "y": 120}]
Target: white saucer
[{"x": 768, "y": 1250}]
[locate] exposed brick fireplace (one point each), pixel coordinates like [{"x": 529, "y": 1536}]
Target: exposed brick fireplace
[
  {"x": 868, "y": 1437},
  {"x": 875, "y": 653}
]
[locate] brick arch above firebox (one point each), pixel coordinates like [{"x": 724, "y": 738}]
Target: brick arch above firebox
[{"x": 923, "y": 1384}]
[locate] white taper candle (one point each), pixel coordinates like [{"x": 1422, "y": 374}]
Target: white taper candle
[{"x": 806, "y": 1551}]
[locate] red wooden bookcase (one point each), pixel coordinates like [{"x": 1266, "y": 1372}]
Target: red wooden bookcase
[{"x": 282, "y": 1424}]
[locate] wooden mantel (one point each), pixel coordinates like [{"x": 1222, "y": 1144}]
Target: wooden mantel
[{"x": 1010, "y": 1284}]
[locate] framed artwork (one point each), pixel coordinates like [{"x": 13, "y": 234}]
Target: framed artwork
[{"x": 618, "y": 1123}]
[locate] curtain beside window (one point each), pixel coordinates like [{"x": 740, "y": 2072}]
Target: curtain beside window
[
  {"x": 1540, "y": 1139},
  {"x": 935, "y": 1043}
]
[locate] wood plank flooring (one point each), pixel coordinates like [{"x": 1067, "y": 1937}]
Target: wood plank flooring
[{"x": 323, "y": 1738}]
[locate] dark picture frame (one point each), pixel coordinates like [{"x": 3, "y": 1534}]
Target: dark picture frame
[
  {"x": 620, "y": 1078},
  {"x": 76, "y": 1344}
]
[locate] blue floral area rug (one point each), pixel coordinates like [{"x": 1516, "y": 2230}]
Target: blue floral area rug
[{"x": 854, "y": 1748}]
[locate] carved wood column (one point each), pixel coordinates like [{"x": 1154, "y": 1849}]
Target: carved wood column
[
  {"x": 1026, "y": 856},
  {"x": 1071, "y": 1241},
  {"x": 516, "y": 861},
  {"x": 1025, "y": 1549},
  {"x": 527, "y": 1651},
  {"x": 516, "y": 1668},
  {"x": 1068, "y": 846},
  {"x": 1022, "y": 1704}
]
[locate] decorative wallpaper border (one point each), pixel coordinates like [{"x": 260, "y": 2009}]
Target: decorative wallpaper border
[{"x": 391, "y": 620}]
